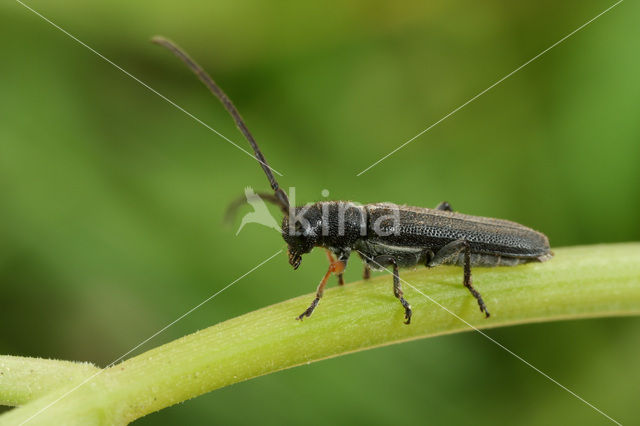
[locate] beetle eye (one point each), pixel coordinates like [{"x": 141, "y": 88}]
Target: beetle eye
[{"x": 301, "y": 229}]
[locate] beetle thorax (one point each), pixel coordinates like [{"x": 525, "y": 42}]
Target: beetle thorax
[{"x": 326, "y": 224}]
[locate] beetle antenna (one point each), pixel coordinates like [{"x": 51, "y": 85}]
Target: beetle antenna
[
  {"x": 235, "y": 205},
  {"x": 281, "y": 196}
]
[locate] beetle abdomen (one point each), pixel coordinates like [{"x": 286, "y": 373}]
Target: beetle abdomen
[
  {"x": 478, "y": 259},
  {"x": 491, "y": 240}
]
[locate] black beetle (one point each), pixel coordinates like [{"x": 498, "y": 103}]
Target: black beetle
[{"x": 385, "y": 234}]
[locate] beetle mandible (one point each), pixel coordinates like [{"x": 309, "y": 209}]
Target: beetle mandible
[{"x": 384, "y": 234}]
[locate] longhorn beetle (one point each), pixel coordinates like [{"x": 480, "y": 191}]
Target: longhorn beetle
[{"x": 385, "y": 234}]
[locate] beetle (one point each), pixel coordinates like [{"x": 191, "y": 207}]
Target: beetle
[{"x": 385, "y": 234}]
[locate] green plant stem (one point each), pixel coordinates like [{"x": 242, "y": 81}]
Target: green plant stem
[
  {"x": 25, "y": 379},
  {"x": 579, "y": 282}
]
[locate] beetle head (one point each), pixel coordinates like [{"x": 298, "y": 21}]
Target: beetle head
[{"x": 301, "y": 230}]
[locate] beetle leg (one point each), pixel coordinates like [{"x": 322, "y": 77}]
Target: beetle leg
[
  {"x": 336, "y": 267},
  {"x": 366, "y": 274},
  {"x": 383, "y": 260},
  {"x": 397, "y": 287},
  {"x": 397, "y": 291},
  {"x": 468, "y": 282},
  {"x": 333, "y": 260},
  {"x": 444, "y": 206},
  {"x": 449, "y": 254},
  {"x": 428, "y": 258}
]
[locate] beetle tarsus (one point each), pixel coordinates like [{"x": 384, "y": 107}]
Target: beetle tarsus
[
  {"x": 407, "y": 311},
  {"x": 310, "y": 309},
  {"x": 397, "y": 291}
]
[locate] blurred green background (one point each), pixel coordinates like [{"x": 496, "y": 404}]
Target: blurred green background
[{"x": 111, "y": 200}]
